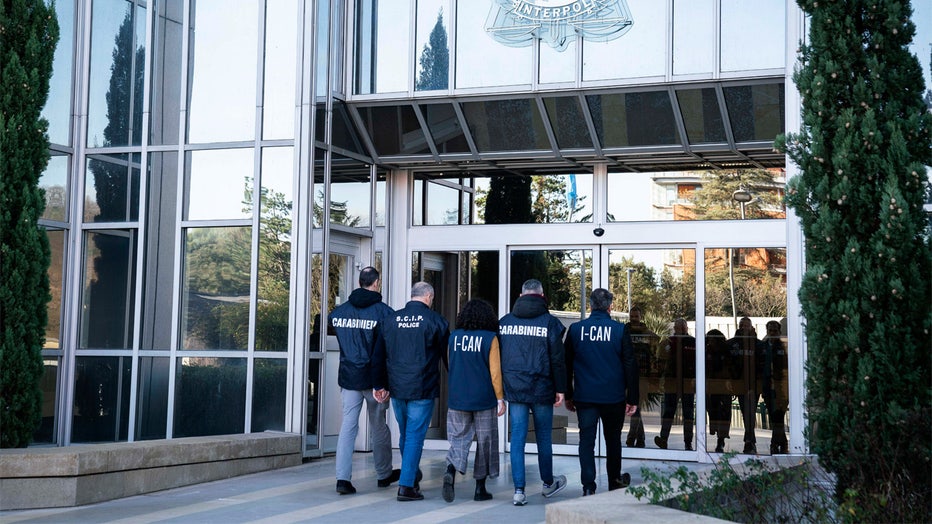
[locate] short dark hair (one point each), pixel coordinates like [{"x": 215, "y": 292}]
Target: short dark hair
[
  {"x": 600, "y": 299},
  {"x": 477, "y": 314},
  {"x": 368, "y": 276}
]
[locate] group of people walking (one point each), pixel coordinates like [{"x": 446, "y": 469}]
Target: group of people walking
[{"x": 527, "y": 359}]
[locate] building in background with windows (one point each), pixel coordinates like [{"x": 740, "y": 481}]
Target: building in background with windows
[{"x": 222, "y": 170}]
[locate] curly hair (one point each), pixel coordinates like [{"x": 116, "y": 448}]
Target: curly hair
[{"x": 477, "y": 314}]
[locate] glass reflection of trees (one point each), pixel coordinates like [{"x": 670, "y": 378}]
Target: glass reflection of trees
[{"x": 435, "y": 59}]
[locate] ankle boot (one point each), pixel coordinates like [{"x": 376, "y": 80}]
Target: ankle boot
[
  {"x": 448, "y": 478},
  {"x": 481, "y": 493}
]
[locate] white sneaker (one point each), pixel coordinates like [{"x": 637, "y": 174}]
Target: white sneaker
[
  {"x": 559, "y": 482},
  {"x": 520, "y": 499}
]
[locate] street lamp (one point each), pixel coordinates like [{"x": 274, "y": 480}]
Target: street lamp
[
  {"x": 742, "y": 196},
  {"x": 629, "y": 270}
]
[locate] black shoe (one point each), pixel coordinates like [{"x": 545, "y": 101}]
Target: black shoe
[
  {"x": 689, "y": 446},
  {"x": 481, "y": 493},
  {"x": 622, "y": 482},
  {"x": 406, "y": 493},
  {"x": 345, "y": 487},
  {"x": 417, "y": 479},
  {"x": 390, "y": 479},
  {"x": 660, "y": 442},
  {"x": 586, "y": 492},
  {"x": 630, "y": 442},
  {"x": 639, "y": 444},
  {"x": 720, "y": 445},
  {"x": 750, "y": 448},
  {"x": 448, "y": 478}
]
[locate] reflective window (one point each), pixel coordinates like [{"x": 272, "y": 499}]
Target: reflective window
[
  {"x": 557, "y": 66},
  {"x": 159, "y": 262},
  {"x": 633, "y": 119},
  {"x": 222, "y": 69},
  {"x": 380, "y": 199},
  {"x": 165, "y": 98},
  {"x": 54, "y": 182},
  {"x": 57, "y": 109},
  {"x": 101, "y": 399},
  {"x": 640, "y": 52},
  {"x": 278, "y": 98},
  {"x": 343, "y": 133},
  {"x": 694, "y": 24},
  {"x": 445, "y": 128},
  {"x": 111, "y": 192},
  {"x": 323, "y": 48},
  {"x": 433, "y": 52},
  {"x": 568, "y": 122},
  {"x": 702, "y": 115},
  {"x": 270, "y": 378},
  {"x": 350, "y": 192},
  {"x": 746, "y": 352},
  {"x": 220, "y": 184},
  {"x": 655, "y": 294},
  {"x": 480, "y": 60},
  {"x": 394, "y": 130},
  {"x": 57, "y": 239},
  {"x": 383, "y": 46},
  {"x": 696, "y": 195},
  {"x": 109, "y": 291},
  {"x": 764, "y": 24},
  {"x": 275, "y": 223},
  {"x": 540, "y": 199},
  {"x": 443, "y": 204},
  {"x": 118, "y": 36},
  {"x": 152, "y": 407},
  {"x": 215, "y": 292},
  {"x": 210, "y": 396},
  {"x": 756, "y": 111},
  {"x": 48, "y": 384},
  {"x": 505, "y": 125}
]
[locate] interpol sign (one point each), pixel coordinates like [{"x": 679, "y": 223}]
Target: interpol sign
[{"x": 517, "y": 23}]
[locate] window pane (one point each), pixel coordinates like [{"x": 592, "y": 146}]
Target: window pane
[
  {"x": 322, "y": 48},
  {"x": 633, "y": 119},
  {"x": 101, "y": 399},
  {"x": 220, "y": 184},
  {"x": 343, "y": 133},
  {"x": 693, "y": 37},
  {"x": 702, "y": 115},
  {"x": 350, "y": 192},
  {"x": 443, "y": 204},
  {"x": 644, "y": 46},
  {"x": 383, "y": 46},
  {"x": 111, "y": 192},
  {"x": 56, "y": 272},
  {"x": 152, "y": 410},
  {"x": 558, "y": 65},
  {"x": 215, "y": 296},
  {"x": 275, "y": 224},
  {"x": 380, "y": 199},
  {"x": 108, "y": 298},
  {"x": 118, "y": 63},
  {"x": 764, "y": 24},
  {"x": 568, "y": 122},
  {"x": 54, "y": 181},
  {"x": 165, "y": 99},
  {"x": 278, "y": 106},
  {"x": 445, "y": 128},
  {"x": 539, "y": 199},
  {"x": 506, "y": 125},
  {"x": 394, "y": 130},
  {"x": 746, "y": 351},
  {"x": 433, "y": 52},
  {"x": 45, "y": 433},
  {"x": 57, "y": 109},
  {"x": 268, "y": 395},
  {"x": 222, "y": 105},
  {"x": 480, "y": 60},
  {"x": 756, "y": 112},
  {"x": 210, "y": 396},
  {"x": 159, "y": 262}
]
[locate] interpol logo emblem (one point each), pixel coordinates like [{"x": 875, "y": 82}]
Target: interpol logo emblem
[{"x": 517, "y": 23}]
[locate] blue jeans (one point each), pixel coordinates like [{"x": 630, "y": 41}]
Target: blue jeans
[
  {"x": 413, "y": 418},
  {"x": 518, "y": 415}
]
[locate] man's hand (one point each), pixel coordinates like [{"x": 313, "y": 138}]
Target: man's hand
[
  {"x": 630, "y": 409},
  {"x": 381, "y": 395},
  {"x": 501, "y": 407},
  {"x": 570, "y": 406},
  {"x": 558, "y": 400}
]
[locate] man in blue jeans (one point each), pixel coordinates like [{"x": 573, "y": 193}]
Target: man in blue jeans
[
  {"x": 407, "y": 357},
  {"x": 534, "y": 377},
  {"x": 602, "y": 383}
]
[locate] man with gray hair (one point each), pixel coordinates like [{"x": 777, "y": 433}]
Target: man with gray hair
[
  {"x": 411, "y": 344},
  {"x": 602, "y": 383},
  {"x": 534, "y": 377}
]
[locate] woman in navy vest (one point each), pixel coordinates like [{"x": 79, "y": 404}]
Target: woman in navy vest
[{"x": 476, "y": 397}]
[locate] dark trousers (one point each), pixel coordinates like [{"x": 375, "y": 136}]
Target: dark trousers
[
  {"x": 669, "y": 410},
  {"x": 720, "y": 415},
  {"x": 748, "y": 404},
  {"x": 612, "y": 417}
]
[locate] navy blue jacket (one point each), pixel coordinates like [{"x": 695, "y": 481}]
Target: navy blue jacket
[
  {"x": 533, "y": 361},
  {"x": 411, "y": 343},
  {"x": 470, "y": 377},
  {"x": 600, "y": 363},
  {"x": 355, "y": 323}
]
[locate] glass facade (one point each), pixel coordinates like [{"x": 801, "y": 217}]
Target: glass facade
[{"x": 227, "y": 168}]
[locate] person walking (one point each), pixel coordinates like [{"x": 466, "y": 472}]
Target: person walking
[
  {"x": 475, "y": 397},
  {"x": 355, "y": 323},
  {"x": 602, "y": 384},
  {"x": 534, "y": 378},
  {"x": 406, "y": 366},
  {"x": 679, "y": 384}
]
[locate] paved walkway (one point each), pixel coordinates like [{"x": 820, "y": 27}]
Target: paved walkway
[{"x": 307, "y": 493}]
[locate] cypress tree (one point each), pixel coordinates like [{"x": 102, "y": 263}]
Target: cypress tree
[
  {"x": 28, "y": 34},
  {"x": 865, "y": 140}
]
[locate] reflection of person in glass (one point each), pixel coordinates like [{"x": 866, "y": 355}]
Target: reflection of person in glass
[
  {"x": 748, "y": 366},
  {"x": 718, "y": 379},
  {"x": 602, "y": 382},
  {"x": 776, "y": 388},
  {"x": 641, "y": 338},
  {"x": 354, "y": 323},
  {"x": 679, "y": 383},
  {"x": 476, "y": 397}
]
